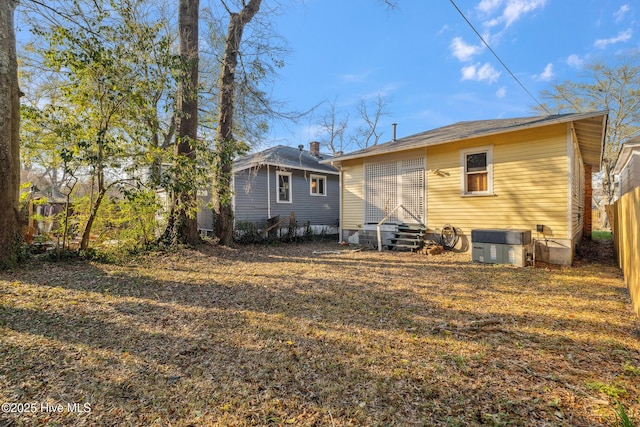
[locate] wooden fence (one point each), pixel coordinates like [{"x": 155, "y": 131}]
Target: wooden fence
[{"x": 624, "y": 215}]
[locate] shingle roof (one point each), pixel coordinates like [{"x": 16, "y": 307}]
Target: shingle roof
[
  {"x": 590, "y": 131},
  {"x": 285, "y": 157}
]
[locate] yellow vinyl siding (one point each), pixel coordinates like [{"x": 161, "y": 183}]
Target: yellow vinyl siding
[
  {"x": 400, "y": 155},
  {"x": 530, "y": 184},
  {"x": 577, "y": 193},
  {"x": 352, "y": 195}
]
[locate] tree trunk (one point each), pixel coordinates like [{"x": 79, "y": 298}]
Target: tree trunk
[
  {"x": 84, "y": 243},
  {"x": 94, "y": 206},
  {"x": 10, "y": 235},
  {"x": 183, "y": 226},
  {"x": 226, "y": 146}
]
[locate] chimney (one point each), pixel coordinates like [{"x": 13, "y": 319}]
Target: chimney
[
  {"x": 300, "y": 147},
  {"x": 394, "y": 126},
  {"x": 314, "y": 148}
]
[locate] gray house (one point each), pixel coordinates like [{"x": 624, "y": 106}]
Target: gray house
[
  {"x": 627, "y": 167},
  {"x": 280, "y": 181}
]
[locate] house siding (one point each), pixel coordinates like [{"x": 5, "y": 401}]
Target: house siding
[
  {"x": 353, "y": 195},
  {"x": 630, "y": 175},
  {"x": 251, "y": 201},
  {"x": 316, "y": 210},
  {"x": 205, "y": 214},
  {"x": 530, "y": 184},
  {"x": 250, "y": 193},
  {"x": 578, "y": 207}
]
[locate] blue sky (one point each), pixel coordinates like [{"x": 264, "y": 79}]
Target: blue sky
[{"x": 430, "y": 66}]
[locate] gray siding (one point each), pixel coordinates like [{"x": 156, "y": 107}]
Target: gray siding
[
  {"x": 205, "y": 214},
  {"x": 251, "y": 198},
  {"x": 317, "y": 210},
  {"x": 250, "y": 192}
]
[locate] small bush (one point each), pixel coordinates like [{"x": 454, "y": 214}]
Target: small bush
[{"x": 247, "y": 232}]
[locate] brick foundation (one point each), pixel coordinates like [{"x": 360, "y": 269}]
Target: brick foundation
[{"x": 587, "y": 226}]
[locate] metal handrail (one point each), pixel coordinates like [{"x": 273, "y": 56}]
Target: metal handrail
[{"x": 387, "y": 217}]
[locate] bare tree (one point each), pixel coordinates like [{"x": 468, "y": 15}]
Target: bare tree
[
  {"x": 9, "y": 138},
  {"x": 226, "y": 145},
  {"x": 368, "y": 133},
  {"x": 332, "y": 130},
  {"x": 603, "y": 87}
]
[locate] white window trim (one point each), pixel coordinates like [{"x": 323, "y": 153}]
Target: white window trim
[
  {"x": 315, "y": 176},
  {"x": 463, "y": 169},
  {"x": 278, "y": 175}
]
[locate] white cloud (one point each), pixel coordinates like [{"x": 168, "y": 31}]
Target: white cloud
[
  {"x": 546, "y": 75},
  {"x": 513, "y": 10},
  {"x": 502, "y": 92},
  {"x": 622, "y": 36},
  {"x": 575, "y": 61},
  {"x": 443, "y": 30},
  {"x": 488, "y": 6},
  {"x": 355, "y": 77},
  {"x": 516, "y": 8},
  {"x": 619, "y": 14},
  {"x": 463, "y": 51},
  {"x": 480, "y": 73},
  {"x": 385, "y": 91}
]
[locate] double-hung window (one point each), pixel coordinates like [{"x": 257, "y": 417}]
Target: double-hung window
[
  {"x": 283, "y": 181},
  {"x": 477, "y": 166},
  {"x": 318, "y": 185}
]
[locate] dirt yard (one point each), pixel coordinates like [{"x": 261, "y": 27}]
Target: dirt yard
[{"x": 293, "y": 335}]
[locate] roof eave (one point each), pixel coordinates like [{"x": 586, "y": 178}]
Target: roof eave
[
  {"x": 628, "y": 149},
  {"x": 284, "y": 166},
  {"x": 565, "y": 119}
]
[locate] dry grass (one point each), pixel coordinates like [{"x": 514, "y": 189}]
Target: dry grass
[{"x": 283, "y": 336}]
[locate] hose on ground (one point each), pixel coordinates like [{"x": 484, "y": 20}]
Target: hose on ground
[{"x": 448, "y": 236}]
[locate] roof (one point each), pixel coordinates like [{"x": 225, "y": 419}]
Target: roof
[
  {"x": 630, "y": 147},
  {"x": 285, "y": 157},
  {"x": 590, "y": 130},
  {"x": 53, "y": 196}
]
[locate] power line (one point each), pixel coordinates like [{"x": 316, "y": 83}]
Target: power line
[{"x": 498, "y": 58}]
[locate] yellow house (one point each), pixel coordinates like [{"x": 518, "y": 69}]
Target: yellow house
[{"x": 531, "y": 173}]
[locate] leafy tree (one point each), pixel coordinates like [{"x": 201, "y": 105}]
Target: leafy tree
[
  {"x": 603, "y": 86},
  {"x": 151, "y": 114},
  {"x": 99, "y": 83},
  {"x": 108, "y": 103}
]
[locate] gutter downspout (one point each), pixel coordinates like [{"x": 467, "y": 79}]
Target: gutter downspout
[
  {"x": 233, "y": 198},
  {"x": 268, "y": 194},
  {"x": 340, "y": 217}
]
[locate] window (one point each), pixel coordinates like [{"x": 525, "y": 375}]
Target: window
[
  {"x": 284, "y": 186},
  {"x": 318, "y": 185},
  {"x": 478, "y": 171}
]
